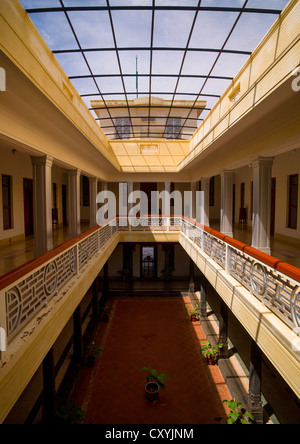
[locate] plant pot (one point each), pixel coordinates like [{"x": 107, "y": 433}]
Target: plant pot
[
  {"x": 152, "y": 391},
  {"x": 90, "y": 361},
  {"x": 212, "y": 360},
  {"x": 205, "y": 358},
  {"x": 194, "y": 318}
]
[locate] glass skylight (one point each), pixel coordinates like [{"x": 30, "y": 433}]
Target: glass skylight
[{"x": 141, "y": 49}]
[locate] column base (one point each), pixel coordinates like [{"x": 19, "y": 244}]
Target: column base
[
  {"x": 228, "y": 234},
  {"x": 256, "y": 408},
  {"x": 266, "y": 250}
]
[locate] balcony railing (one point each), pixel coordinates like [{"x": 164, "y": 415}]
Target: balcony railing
[{"x": 26, "y": 290}]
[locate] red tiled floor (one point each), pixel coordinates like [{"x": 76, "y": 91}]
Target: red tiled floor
[{"x": 152, "y": 331}]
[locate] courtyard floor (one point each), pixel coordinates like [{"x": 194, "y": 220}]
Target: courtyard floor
[{"x": 153, "y": 331}]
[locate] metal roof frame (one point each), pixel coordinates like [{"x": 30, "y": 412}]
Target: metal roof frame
[{"x": 186, "y": 49}]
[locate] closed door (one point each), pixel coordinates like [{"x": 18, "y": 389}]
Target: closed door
[
  {"x": 273, "y": 206},
  {"x": 28, "y": 206},
  {"x": 64, "y": 204},
  {"x": 148, "y": 188}
]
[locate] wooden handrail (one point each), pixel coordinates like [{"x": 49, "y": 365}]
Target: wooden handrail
[
  {"x": 16, "y": 274},
  {"x": 281, "y": 266}
]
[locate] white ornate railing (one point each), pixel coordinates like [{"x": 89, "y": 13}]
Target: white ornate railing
[
  {"x": 25, "y": 291},
  {"x": 23, "y": 298}
]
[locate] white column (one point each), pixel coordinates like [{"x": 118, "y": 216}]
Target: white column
[
  {"x": 74, "y": 202},
  {"x": 226, "y": 222},
  {"x": 262, "y": 183},
  {"x": 42, "y": 191},
  {"x": 205, "y": 181},
  {"x": 93, "y": 203}
]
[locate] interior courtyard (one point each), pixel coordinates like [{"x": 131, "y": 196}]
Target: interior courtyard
[{"x": 194, "y": 106}]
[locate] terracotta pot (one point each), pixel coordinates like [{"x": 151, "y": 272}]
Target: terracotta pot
[
  {"x": 212, "y": 360},
  {"x": 152, "y": 391},
  {"x": 90, "y": 361}
]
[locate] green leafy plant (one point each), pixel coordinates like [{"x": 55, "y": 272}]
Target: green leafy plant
[
  {"x": 153, "y": 375},
  {"x": 192, "y": 311},
  {"x": 209, "y": 351},
  {"x": 93, "y": 350},
  {"x": 69, "y": 414},
  {"x": 237, "y": 414},
  {"x": 106, "y": 311},
  {"x": 125, "y": 272}
]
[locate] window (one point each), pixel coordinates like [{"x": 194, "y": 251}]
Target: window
[
  {"x": 173, "y": 128},
  {"x": 7, "y": 201},
  {"x": 122, "y": 128},
  {"x": 293, "y": 201}
]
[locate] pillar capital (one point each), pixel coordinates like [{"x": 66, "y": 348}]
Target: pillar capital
[
  {"x": 42, "y": 160},
  {"x": 73, "y": 173},
  {"x": 263, "y": 161}
]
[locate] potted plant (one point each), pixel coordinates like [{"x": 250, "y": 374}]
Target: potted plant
[
  {"x": 92, "y": 351},
  {"x": 237, "y": 414},
  {"x": 209, "y": 352},
  {"x": 69, "y": 414},
  {"x": 163, "y": 274},
  {"x": 193, "y": 313},
  {"x": 155, "y": 381},
  {"x": 106, "y": 311},
  {"x": 124, "y": 274}
]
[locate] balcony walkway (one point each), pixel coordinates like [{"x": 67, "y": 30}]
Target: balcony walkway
[
  {"x": 153, "y": 331},
  {"x": 18, "y": 254}
]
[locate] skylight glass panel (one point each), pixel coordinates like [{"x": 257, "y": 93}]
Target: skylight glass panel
[
  {"x": 164, "y": 84},
  {"x": 85, "y": 86},
  {"x": 191, "y": 85},
  {"x": 130, "y": 24},
  {"x": 30, "y": 4},
  {"x": 73, "y": 64},
  {"x": 267, "y": 4},
  {"x": 211, "y": 29},
  {"x": 223, "y": 3},
  {"x": 215, "y": 86},
  {"x": 198, "y": 63},
  {"x": 128, "y": 61},
  {"x": 172, "y": 28},
  {"x": 130, "y": 2},
  {"x": 243, "y": 36},
  {"x": 84, "y": 2},
  {"x": 103, "y": 62},
  {"x": 110, "y": 85},
  {"x": 177, "y": 2},
  {"x": 167, "y": 62},
  {"x": 229, "y": 65},
  {"x": 143, "y": 85},
  {"x": 92, "y": 29},
  {"x": 55, "y": 30}
]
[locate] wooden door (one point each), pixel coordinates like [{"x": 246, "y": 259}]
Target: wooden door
[{"x": 28, "y": 206}]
